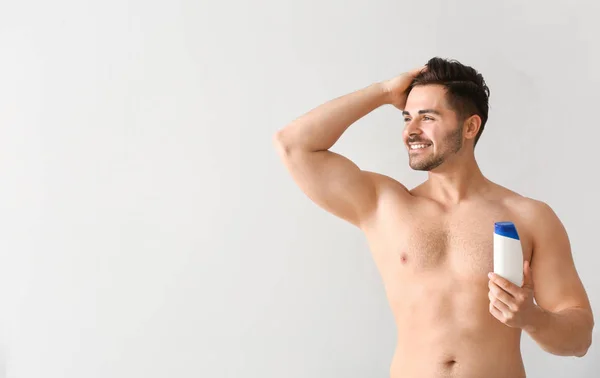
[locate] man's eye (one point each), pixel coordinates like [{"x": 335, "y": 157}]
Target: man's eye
[
  {"x": 428, "y": 118},
  {"x": 406, "y": 119}
]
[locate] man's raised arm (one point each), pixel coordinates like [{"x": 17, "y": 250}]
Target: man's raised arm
[{"x": 330, "y": 180}]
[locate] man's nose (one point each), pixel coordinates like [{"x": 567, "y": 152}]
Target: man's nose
[{"x": 412, "y": 128}]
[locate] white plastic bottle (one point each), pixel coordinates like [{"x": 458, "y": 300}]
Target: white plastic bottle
[{"x": 508, "y": 252}]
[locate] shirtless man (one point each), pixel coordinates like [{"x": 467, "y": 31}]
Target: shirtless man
[{"x": 433, "y": 244}]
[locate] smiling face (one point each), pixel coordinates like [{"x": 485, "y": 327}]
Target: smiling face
[{"x": 432, "y": 132}]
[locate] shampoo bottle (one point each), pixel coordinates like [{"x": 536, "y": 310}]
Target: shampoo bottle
[{"x": 508, "y": 252}]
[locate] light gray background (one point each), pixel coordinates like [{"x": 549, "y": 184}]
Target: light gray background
[{"x": 147, "y": 226}]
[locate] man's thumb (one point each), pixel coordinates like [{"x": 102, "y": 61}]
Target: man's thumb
[{"x": 527, "y": 275}]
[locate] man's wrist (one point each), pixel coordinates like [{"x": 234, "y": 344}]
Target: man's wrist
[
  {"x": 536, "y": 320},
  {"x": 385, "y": 95}
]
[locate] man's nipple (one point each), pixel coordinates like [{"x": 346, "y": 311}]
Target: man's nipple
[{"x": 403, "y": 257}]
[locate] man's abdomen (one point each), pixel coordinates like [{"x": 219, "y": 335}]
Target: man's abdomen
[
  {"x": 457, "y": 356},
  {"x": 445, "y": 330}
]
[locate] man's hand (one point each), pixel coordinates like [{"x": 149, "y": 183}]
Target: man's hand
[
  {"x": 510, "y": 304},
  {"x": 397, "y": 86}
]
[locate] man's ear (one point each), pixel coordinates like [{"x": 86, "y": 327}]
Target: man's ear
[{"x": 471, "y": 126}]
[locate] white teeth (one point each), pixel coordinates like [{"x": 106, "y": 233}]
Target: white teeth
[{"x": 417, "y": 146}]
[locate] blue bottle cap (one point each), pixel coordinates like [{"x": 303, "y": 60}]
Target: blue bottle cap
[{"x": 507, "y": 229}]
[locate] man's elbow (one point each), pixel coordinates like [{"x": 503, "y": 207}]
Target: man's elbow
[
  {"x": 583, "y": 350},
  {"x": 572, "y": 351},
  {"x": 587, "y": 342},
  {"x": 282, "y": 144}
]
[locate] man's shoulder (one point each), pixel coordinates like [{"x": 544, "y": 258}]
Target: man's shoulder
[
  {"x": 520, "y": 202},
  {"x": 527, "y": 206},
  {"x": 524, "y": 203},
  {"x": 534, "y": 212},
  {"x": 386, "y": 184}
]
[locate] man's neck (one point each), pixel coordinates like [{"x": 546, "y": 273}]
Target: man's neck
[{"x": 456, "y": 181}]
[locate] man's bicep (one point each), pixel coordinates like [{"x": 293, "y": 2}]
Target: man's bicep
[
  {"x": 334, "y": 182},
  {"x": 556, "y": 283}
]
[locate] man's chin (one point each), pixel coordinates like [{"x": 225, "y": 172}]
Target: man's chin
[
  {"x": 424, "y": 166},
  {"x": 423, "y": 169},
  {"x": 418, "y": 165}
]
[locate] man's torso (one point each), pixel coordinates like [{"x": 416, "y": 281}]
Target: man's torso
[{"x": 434, "y": 264}]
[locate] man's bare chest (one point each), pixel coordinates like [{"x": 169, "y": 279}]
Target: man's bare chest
[{"x": 461, "y": 242}]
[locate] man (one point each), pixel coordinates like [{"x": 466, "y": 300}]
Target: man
[{"x": 433, "y": 244}]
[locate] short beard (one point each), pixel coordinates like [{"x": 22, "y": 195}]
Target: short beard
[{"x": 452, "y": 143}]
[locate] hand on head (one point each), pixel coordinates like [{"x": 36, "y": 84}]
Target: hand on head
[{"x": 397, "y": 86}]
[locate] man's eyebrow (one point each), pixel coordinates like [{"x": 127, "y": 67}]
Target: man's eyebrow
[{"x": 432, "y": 111}]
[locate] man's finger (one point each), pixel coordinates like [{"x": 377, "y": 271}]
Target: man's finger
[
  {"x": 527, "y": 275},
  {"x": 496, "y": 313},
  {"x": 505, "y": 284},
  {"x": 502, "y": 296},
  {"x": 498, "y": 303}
]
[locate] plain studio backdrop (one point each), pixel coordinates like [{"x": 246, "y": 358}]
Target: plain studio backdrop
[{"x": 148, "y": 228}]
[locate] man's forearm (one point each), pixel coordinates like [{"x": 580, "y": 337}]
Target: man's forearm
[
  {"x": 564, "y": 333},
  {"x": 321, "y": 127}
]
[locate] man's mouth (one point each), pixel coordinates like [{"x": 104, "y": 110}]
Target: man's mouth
[{"x": 419, "y": 146}]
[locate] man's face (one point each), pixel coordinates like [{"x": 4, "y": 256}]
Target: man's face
[{"x": 431, "y": 133}]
